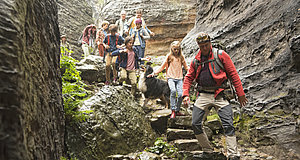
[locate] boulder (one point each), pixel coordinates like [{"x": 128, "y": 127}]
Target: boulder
[
  {"x": 117, "y": 125},
  {"x": 92, "y": 69}
]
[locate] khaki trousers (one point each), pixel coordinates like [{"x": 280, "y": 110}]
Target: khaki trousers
[
  {"x": 110, "y": 61},
  {"x": 131, "y": 76}
]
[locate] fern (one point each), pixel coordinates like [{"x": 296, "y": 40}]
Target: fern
[{"x": 73, "y": 90}]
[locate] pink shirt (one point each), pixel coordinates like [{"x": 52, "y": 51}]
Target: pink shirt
[
  {"x": 174, "y": 68},
  {"x": 130, "y": 61}
]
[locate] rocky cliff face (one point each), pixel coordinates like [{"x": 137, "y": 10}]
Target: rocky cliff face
[
  {"x": 73, "y": 17},
  {"x": 262, "y": 38},
  {"x": 170, "y": 20},
  {"x": 31, "y": 116}
]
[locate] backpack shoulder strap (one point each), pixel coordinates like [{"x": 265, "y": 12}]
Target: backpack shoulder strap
[
  {"x": 108, "y": 39},
  {"x": 117, "y": 38},
  {"x": 196, "y": 63},
  {"x": 216, "y": 53}
]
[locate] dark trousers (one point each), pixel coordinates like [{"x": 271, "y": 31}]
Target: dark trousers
[
  {"x": 141, "y": 52},
  {"x": 225, "y": 114}
]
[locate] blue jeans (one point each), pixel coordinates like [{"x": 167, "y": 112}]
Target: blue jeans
[
  {"x": 175, "y": 86},
  {"x": 141, "y": 52}
]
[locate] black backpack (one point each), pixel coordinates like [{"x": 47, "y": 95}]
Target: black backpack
[{"x": 229, "y": 90}]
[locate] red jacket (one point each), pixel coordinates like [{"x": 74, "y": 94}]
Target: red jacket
[{"x": 218, "y": 74}]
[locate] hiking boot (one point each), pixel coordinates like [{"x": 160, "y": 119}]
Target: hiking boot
[
  {"x": 204, "y": 142},
  {"x": 179, "y": 114},
  {"x": 107, "y": 83},
  {"x": 173, "y": 115}
]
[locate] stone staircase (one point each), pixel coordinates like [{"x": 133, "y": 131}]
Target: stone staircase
[{"x": 180, "y": 134}]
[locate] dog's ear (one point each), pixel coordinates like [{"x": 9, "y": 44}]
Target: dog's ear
[
  {"x": 148, "y": 63},
  {"x": 142, "y": 67},
  {"x": 149, "y": 69}
]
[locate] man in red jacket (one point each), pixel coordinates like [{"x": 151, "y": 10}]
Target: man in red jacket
[{"x": 210, "y": 78}]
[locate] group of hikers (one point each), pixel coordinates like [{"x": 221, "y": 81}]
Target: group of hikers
[
  {"x": 205, "y": 69},
  {"x": 114, "y": 41}
]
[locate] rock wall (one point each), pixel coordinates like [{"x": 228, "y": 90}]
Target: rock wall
[
  {"x": 31, "y": 110},
  {"x": 73, "y": 17},
  {"x": 261, "y": 36},
  {"x": 170, "y": 20}
]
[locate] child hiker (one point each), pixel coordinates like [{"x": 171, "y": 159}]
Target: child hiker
[
  {"x": 112, "y": 42},
  {"x": 139, "y": 36},
  {"x": 173, "y": 63},
  {"x": 129, "y": 63}
]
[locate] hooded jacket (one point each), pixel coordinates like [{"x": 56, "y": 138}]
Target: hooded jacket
[{"x": 218, "y": 74}]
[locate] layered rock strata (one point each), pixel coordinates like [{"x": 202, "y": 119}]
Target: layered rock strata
[
  {"x": 31, "y": 109},
  {"x": 262, "y": 38},
  {"x": 170, "y": 20},
  {"x": 73, "y": 17}
]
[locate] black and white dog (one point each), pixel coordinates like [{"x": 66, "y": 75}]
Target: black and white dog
[{"x": 153, "y": 88}]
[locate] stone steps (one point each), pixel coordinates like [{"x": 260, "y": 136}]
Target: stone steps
[
  {"x": 181, "y": 135},
  {"x": 173, "y": 134},
  {"x": 187, "y": 144},
  {"x": 181, "y": 122},
  {"x": 200, "y": 155}
]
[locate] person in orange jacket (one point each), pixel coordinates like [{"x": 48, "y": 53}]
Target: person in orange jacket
[{"x": 210, "y": 78}]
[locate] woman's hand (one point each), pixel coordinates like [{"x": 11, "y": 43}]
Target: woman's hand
[{"x": 151, "y": 75}]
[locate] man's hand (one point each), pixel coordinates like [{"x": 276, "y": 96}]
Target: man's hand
[
  {"x": 242, "y": 100},
  {"x": 152, "y": 34},
  {"x": 106, "y": 46},
  {"x": 186, "y": 101},
  {"x": 120, "y": 46}
]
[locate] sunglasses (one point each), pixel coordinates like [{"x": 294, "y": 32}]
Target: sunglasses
[{"x": 203, "y": 39}]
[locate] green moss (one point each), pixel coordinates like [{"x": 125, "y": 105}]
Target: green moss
[
  {"x": 161, "y": 146},
  {"x": 243, "y": 124},
  {"x": 213, "y": 117}
]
